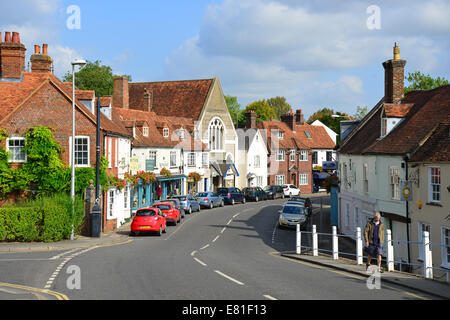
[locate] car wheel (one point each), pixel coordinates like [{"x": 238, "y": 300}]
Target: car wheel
[
  {"x": 175, "y": 222},
  {"x": 290, "y": 194},
  {"x": 190, "y": 210},
  {"x": 198, "y": 208},
  {"x": 282, "y": 197},
  {"x": 256, "y": 199},
  {"x": 165, "y": 229},
  {"x": 243, "y": 200},
  {"x": 232, "y": 202},
  {"x": 211, "y": 205},
  {"x": 159, "y": 232}
]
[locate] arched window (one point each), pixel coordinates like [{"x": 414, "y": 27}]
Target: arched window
[{"x": 216, "y": 134}]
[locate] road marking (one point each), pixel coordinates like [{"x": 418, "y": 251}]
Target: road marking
[
  {"x": 229, "y": 278},
  {"x": 362, "y": 278},
  {"x": 236, "y": 215},
  {"x": 274, "y": 231},
  {"x": 269, "y": 297},
  {"x": 201, "y": 262},
  {"x": 204, "y": 247},
  {"x": 62, "y": 254},
  {"x": 193, "y": 253},
  {"x": 231, "y": 220},
  {"x": 223, "y": 230},
  {"x": 215, "y": 239},
  {"x": 58, "y": 295}
]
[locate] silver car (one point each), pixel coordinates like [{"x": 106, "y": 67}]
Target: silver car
[
  {"x": 188, "y": 203},
  {"x": 210, "y": 199},
  {"x": 291, "y": 215}
]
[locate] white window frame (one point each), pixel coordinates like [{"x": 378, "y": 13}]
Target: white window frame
[
  {"x": 259, "y": 181},
  {"x": 166, "y": 132},
  {"x": 280, "y": 135},
  {"x": 111, "y": 203},
  {"x": 109, "y": 140},
  {"x": 257, "y": 161},
  {"x": 394, "y": 183},
  {"x": 280, "y": 179},
  {"x": 445, "y": 251},
  {"x": 280, "y": 154},
  {"x": 145, "y": 131},
  {"x": 152, "y": 154},
  {"x": 173, "y": 154},
  {"x": 11, "y": 159},
  {"x": 366, "y": 178},
  {"x": 431, "y": 191},
  {"x": 204, "y": 159},
  {"x": 292, "y": 155},
  {"x": 216, "y": 134},
  {"x": 303, "y": 179},
  {"x": 88, "y": 150},
  {"x": 304, "y": 155},
  {"x": 422, "y": 226},
  {"x": 117, "y": 152},
  {"x": 191, "y": 159}
]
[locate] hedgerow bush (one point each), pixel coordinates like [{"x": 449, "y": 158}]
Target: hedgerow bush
[{"x": 45, "y": 219}]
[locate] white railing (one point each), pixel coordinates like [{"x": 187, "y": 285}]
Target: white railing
[{"x": 427, "y": 265}]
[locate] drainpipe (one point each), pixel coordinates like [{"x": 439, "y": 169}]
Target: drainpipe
[{"x": 406, "y": 158}]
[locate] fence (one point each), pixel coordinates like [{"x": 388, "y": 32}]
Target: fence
[{"x": 426, "y": 266}]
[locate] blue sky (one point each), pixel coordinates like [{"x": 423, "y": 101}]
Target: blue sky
[{"x": 315, "y": 53}]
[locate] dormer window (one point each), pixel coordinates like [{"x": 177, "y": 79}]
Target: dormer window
[
  {"x": 182, "y": 134},
  {"x": 165, "y": 132},
  {"x": 145, "y": 131},
  {"x": 280, "y": 135}
]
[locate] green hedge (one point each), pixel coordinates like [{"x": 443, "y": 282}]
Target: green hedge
[{"x": 46, "y": 219}]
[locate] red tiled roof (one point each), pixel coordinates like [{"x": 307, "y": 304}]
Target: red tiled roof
[
  {"x": 290, "y": 139},
  {"x": 85, "y": 94},
  {"x": 428, "y": 109},
  {"x": 320, "y": 138},
  {"x": 182, "y": 98},
  {"x": 437, "y": 147},
  {"x": 396, "y": 110}
]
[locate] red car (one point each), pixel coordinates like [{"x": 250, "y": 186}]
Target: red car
[
  {"x": 170, "y": 211},
  {"x": 148, "y": 220}
]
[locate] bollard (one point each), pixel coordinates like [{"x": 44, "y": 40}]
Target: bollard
[
  {"x": 96, "y": 220},
  {"x": 335, "y": 244},
  {"x": 427, "y": 257},
  {"x": 315, "y": 246},
  {"x": 299, "y": 240},
  {"x": 390, "y": 251},
  {"x": 359, "y": 251}
]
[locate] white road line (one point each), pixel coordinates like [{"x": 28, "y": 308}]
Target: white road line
[
  {"x": 204, "y": 247},
  {"x": 274, "y": 231},
  {"x": 236, "y": 215},
  {"x": 193, "y": 253},
  {"x": 229, "y": 278},
  {"x": 215, "y": 239},
  {"x": 223, "y": 230},
  {"x": 201, "y": 262},
  {"x": 231, "y": 220},
  {"x": 269, "y": 297}
]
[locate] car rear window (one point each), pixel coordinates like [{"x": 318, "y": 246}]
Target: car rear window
[
  {"x": 162, "y": 206},
  {"x": 293, "y": 210},
  {"x": 146, "y": 213},
  {"x": 222, "y": 191},
  {"x": 181, "y": 198},
  {"x": 203, "y": 194}
]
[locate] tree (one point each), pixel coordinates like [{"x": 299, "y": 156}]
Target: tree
[
  {"x": 325, "y": 116},
  {"x": 237, "y": 115},
  {"x": 360, "y": 113},
  {"x": 279, "y": 105},
  {"x": 263, "y": 110},
  {"x": 419, "y": 81},
  {"x": 94, "y": 76}
]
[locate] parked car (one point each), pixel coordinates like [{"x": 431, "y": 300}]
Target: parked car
[
  {"x": 291, "y": 215},
  {"x": 231, "y": 195},
  {"x": 306, "y": 202},
  {"x": 171, "y": 213},
  {"x": 177, "y": 205},
  {"x": 254, "y": 193},
  {"x": 210, "y": 199},
  {"x": 188, "y": 203},
  {"x": 148, "y": 220},
  {"x": 290, "y": 190},
  {"x": 274, "y": 192}
]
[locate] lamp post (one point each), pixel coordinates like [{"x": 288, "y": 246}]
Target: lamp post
[{"x": 80, "y": 63}]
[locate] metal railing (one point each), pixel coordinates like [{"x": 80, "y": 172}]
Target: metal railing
[{"x": 427, "y": 265}]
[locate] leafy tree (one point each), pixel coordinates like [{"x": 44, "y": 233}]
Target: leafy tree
[
  {"x": 236, "y": 113},
  {"x": 279, "y": 105},
  {"x": 94, "y": 76},
  {"x": 263, "y": 110},
  {"x": 419, "y": 81},
  {"x": 360, "y": 113}
]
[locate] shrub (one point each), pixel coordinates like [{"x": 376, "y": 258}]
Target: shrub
[{"x": 20, "y": 224}]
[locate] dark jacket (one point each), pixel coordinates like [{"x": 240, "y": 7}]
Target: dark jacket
[{"x": 368, "y": 232}]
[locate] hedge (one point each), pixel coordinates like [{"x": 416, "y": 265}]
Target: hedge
[{"x": 45, "y": 220}]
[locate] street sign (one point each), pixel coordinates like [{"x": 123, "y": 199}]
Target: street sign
[
  {"x": 406, "y": 190},
  {"x": 134, "y": 164},
  {"x": 329, "y": 165}
]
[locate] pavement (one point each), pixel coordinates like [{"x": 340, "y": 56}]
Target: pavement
[{"x": 110, "y": 238}]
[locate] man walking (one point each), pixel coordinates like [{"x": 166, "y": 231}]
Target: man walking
[{"x": 374, "y": 235}]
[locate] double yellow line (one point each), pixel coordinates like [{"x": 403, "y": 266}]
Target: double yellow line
[{"x": 57, "y": 295}]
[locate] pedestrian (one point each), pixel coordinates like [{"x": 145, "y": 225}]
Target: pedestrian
[
  {"x": 374, "y": 235},
  {"x": 159, "y": 192}
]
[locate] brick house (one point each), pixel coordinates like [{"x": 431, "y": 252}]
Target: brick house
[
  {"x": 289, "y": 143},
  {"x": 38, "y": 98}
]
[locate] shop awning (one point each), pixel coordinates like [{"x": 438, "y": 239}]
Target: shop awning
[
  {"x": 173, "y": 177},
  {"x": 222, "y": 168}
]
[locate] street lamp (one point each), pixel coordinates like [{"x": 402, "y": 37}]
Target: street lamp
[{"x": 81, "y": 64}]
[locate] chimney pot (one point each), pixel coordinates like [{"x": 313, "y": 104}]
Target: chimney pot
[
  {"x": 7, "y": 36},
  {"x": 15, "y": 37},
  {"x": 37, "y": 49},
  {"x": 45, "y": 49}
]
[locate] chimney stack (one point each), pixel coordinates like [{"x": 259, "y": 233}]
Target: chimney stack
[
  {"x": 120, "y": 92},
  {"x": 289, "y": 119},
  {"x": 41, "y": 63},
  {"x": 147, "y": 100},
  {"x": 12, "y": 57},
  {"x": 299, "y": 119},
  {"x": 250, "y": 120},
  {"x": 394, "y": 76}
]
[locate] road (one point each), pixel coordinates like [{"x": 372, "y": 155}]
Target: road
[{"x": 223, "y": 253}]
